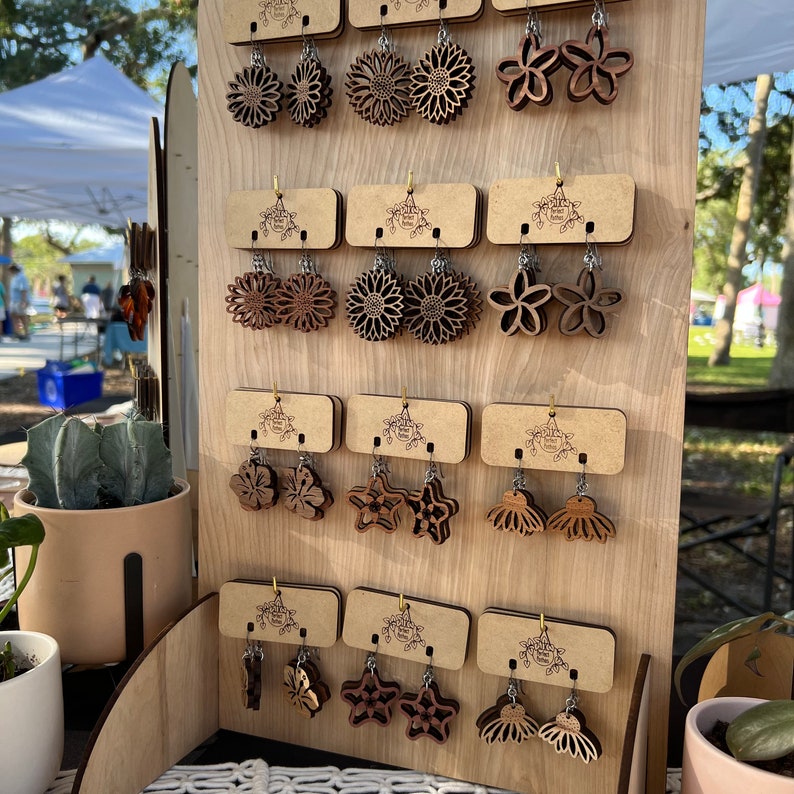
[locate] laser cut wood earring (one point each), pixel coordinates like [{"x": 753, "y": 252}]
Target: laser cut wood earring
[
  {"x": 256, "y": 482},
  {"x": 587, "y": 303},
  {"x": 302, "y": 684},
  {"x": 370, "y": 699},
  {"x": 375, "y": 300},
  {"x": 301, "y": 488},
  {"x": 442, "y": 82},
  {"x": 568, "y": 731},
  {"x": 251, "y": 299},
  {"x": 580, "y": 519},
  {"x": 428, "y": 713},
  {"x": 377, "y": 504},
  {"x": 378, "y": 82},
  {"x": 306, "y": 302},
  {"x": 508, "y": 720},
  {"x": 309, "y": 89},
  {"x": 595, "y": 65},
  {"x": 252, "y": 673},
  {"x": 254, "y": 95},
  {"x": 430, "y": 507},
  {"x": 520, "y": 302},
  {"x": 517, "y": 512},
  {"x": 526, "y": 74}
]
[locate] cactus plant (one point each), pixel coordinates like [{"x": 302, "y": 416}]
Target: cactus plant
[{"x": 76, "y": 467}]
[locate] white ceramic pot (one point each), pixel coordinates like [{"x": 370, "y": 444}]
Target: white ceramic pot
[
  {"x": 76, "y": 593},
  {"x": 707, "y": 770},
  {"x": 31, "y": 705}
]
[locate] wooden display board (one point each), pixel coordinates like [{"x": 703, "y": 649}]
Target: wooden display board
[
  {"x": 283, "y": 20},
  {"x": 639, "y": 369}
]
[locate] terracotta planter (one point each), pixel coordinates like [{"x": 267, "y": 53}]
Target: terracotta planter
[
  {"x": 76, "y": 593},
  {"x": 707, "y": 770},
  {"x": 32, "y": 707}
]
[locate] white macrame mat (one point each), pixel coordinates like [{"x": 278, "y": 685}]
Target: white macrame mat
[{"x": 257, "y": 777}]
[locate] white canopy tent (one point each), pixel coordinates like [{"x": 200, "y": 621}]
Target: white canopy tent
[{"x": 75, "y": 147}]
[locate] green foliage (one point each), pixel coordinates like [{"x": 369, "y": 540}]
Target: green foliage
[
  {"x": 749, "y": 367},
  {"x": 76, "y": 466},
  {"x": 24, "y": 530},
  {"x": 7, "y": 665},
  {"x": 763, "y": 732}
]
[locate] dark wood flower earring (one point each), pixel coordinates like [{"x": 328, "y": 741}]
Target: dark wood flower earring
[
  {"x": 302, "y": 684},
  {"x": 256, "y": 482},
  {"x": 517, "y": 512},
  {"x": 370, "y": 698},
  {"x": 251, "y": 298},
  {"x": 431, "y": 508},
  {"x": 301, "y": 488},
  {"x": 309, "y": 89}
]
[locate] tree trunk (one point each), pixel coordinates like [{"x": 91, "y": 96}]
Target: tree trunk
[
  {"x": 782, "y": 374},
  {"x": 756, "y": 131}
]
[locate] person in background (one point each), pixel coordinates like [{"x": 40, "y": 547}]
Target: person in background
[
  {"x": 90, "y": 296},
  {"x": 3, "y": 309},
  {"x": 19, "y": 289},
  {"x": 109, "y": 298},
  {"x": 60, "y": 297}
]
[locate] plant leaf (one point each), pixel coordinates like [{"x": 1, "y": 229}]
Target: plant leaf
[
  {"x": 119, "y": 460},
  {"x": 39, "y": 460},
  {"x": 763, "y": 732},
  {"x": 719, "y": 637},
  {"x": 24, "y": 530},
  {"x": 77, "y": 465},
  {"x": 154, "y": 458}
]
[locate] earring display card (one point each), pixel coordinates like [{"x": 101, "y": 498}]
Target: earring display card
[
  {"x": 280, "y": 20},
  {"x": 558, "y": 214},
  {"x": 365, "y": 14},
  {"x": 280, "y": 222},
  {"x": 546, "y": 653},
  {"x": 258, "y": 611},
  {"x": 522, "y": 6},
  {"x": 408, "y": 218},
  {"x": 278, "y": 423},
  {"x": 407, "y": 633},
  {"x": 552, "y": 440},
  {"x": 406, "y": 428}
]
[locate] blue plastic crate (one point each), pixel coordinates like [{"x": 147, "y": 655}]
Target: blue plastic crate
[{"x": 64, "y": 390}]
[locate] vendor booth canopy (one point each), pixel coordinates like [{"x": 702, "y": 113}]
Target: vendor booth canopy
[{"x": 75, "y": 147}]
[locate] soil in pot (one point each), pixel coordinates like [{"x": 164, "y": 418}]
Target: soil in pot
[{"x": 780, "y": 766}]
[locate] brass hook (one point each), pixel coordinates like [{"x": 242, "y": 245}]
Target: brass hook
[
  {"x": 275, "y": 588},
  {"x": 276, "y": 395},
  {"x": 405, "y": 396},
  {"x": 410, "y": 182},
  {"x": 557, "y": 175},
  {"x": 278, "y": 193},
  {"x": 552, "y": 411},
  {"x": 402, "y": 604},
  {"x": 542, "y": 622}
]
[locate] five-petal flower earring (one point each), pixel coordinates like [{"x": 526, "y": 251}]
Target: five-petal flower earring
[
  {"x": 251, "y": 674},
  {"x": 370, "y": 698},
  {"x": 428, "y": 713},
  {"x": 587, "y": 302},
  {"x": 378, "y": 82},
  {"x": 254, "y": 96},
  {"x": 252, "y": 297},
  {"x": 431, "y": 508},
  {"x": 377, "y": 504},
  {"x": 309, "y": 90},
  {"x": 526, "y": 74},
  {"x": 595, "y": 65},
  {"x": 520, "y": 302}
]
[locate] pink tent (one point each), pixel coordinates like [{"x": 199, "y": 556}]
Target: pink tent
[{"x": 751, "y": 303}]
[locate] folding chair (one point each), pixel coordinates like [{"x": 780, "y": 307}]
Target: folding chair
[{"x": 732, "y": 521}]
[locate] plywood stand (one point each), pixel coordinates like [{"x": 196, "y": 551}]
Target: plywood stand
[{"x": 624, "y": 589}]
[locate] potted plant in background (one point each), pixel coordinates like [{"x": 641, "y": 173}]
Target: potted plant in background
[
  {"x": 31, "y": 694},
  {"x": 104, "y": 494},
  {"x": 734, "y": 740}
]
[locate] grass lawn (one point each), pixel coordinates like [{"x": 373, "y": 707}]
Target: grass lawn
[{"x": 749, "y": 367}]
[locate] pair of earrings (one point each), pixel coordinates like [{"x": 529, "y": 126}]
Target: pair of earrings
[
  {"x": 578, "y": 520},
  {"x": 371, "y": 700},
  {"x": 595, "y": 65},
  {"x": 509, "y": 721},
  {"x": 259, "y": 299},
  {"x": 382, "y": 87},
  {"x": 255, "y": 95},
  {"x": 521, "y": 303},
  {"x": 377, "y": 503},
  {"x": 302, "y": 492},
  {"x": 436, "y": 307}
]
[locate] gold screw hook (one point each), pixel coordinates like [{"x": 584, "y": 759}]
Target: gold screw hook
[
  {"x": 403, "y": 606},
  {"x": 275, "y": 588},
  {"x": 410, "y": 182},
  {"x": 557, "y": 174},
  {"x": 276, "y": 395},
  {"x": 542, "y": 622},
  {"x": 278, "y": 193},
  {"x": 405, "y": 396},
  {"x": 552, "y": 411}
]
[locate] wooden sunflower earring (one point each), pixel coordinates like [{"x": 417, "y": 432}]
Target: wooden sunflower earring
[
  {"x": 303, "y": 686},
  {"x": 431, "y": 509},
  {"x": 301, "y": 488},
  {"x": 251, "y": 299},
  {"x": 254, "y": 96},
  {"x": 377, "y": 504},
  {"x": 256, "y": 482},
  {"x": 252, "y": 674},
  {"x": 378, "y": 82},
  {"x": 520, "y": 302},
  {"x": 305, "y": 300},
  {"x": 568, "y": 732},
  {"x": 580, "y": 519},
  {"x": 507, "y": 721},
  {"x": 370, "y": 699},
  {"x": 309, "y": 90},
  {"x": 517, "y": 512},
  {"x": 375, "y": 300},
  {"x": 587, "y": 303}
]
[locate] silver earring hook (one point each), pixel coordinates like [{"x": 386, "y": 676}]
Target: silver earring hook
[
  {"x": 600, "y": 17},
  {"x": 592, "y": 258},
  {"x": 533, "y": 24}
]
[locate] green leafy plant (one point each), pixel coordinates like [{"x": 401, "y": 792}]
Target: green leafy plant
[
  {"x": 76, "y": 467},
  {"x": 24, "y": 530},
  {"x": 763, "y": 732}
]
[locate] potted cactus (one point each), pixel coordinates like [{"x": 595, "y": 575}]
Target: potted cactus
[{"x": 103, "y": 493}]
